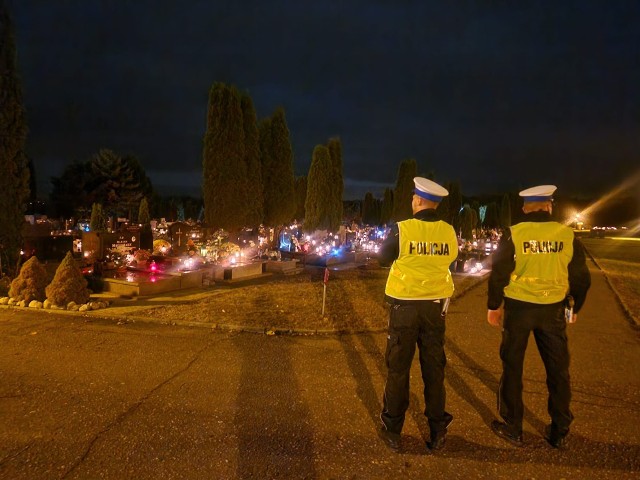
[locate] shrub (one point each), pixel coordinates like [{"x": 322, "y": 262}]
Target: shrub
[
  {"x": 68, "y": 284},
  {"x": 30, "y": 284}
]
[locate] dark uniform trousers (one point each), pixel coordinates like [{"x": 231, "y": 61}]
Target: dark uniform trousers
[
  {"x": 415, "y": 322},
  {"x": 549, "y": 327}
]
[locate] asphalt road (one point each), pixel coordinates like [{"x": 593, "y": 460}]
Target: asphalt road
[{"x": 91, "y": 399}]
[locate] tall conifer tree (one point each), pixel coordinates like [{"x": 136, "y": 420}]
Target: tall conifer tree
[
  {"x": 386, "y": 210},
  {"x": 266, "y": 162},
  {"x": 455, "y": 205},
  {"x": 143, "y": 212},
  {"x": 337, "y": 183},
  {"x": 466, "y": 223},
  {"x": 301, "y": 197},
  {"x": 144, "y": 219},
  {"x": 98, "y": 222},
  {"x": 255, "y": 188},
  {"x": 318, "y": 190},
  {"x": 369, "y": 216},
  {"x": 224, "y": 167},
  {"x": 491, "y": 219},
  {"x": 443, "y": 210},
  {"x": 14, "y": 176},
  {"x": 404, "y": 190},
  {"x": 505, "y": 211},
  {"x": 277, "y": 170}
]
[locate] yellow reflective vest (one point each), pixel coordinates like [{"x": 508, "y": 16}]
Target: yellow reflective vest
[
  {"x": 543, "y": 251},
  {"x": 421, "y": 271}
]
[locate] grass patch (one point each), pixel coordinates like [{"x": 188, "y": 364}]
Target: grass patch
[
  {"x": 354, "y": 302},
  {"x": 619, "y": 259},
  {"x": 624, "y": 278}
]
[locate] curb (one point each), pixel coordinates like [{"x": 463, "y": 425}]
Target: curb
[{"x": 625, "y": 308}]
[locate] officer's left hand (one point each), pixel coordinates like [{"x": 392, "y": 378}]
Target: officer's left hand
[{"x": 494, "y": 317}]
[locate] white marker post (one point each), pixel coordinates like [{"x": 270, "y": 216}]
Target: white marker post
[{"x": 324, "y": 292}]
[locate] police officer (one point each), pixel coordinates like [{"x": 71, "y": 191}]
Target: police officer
[
  {"x": 419, "y": 251},
  {"x": 538, "y": 267}
]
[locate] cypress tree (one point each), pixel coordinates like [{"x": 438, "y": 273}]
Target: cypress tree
[
  {"x": 466, "y": 222},
  {"x": 277, "y": 171},
  {"x": 318, "y": 189},
  {"x": 475, "y": 206},
  {"x": 143, "y": 212},
  {"x": 98, "y": 222},
  {"x": 474, "y": 220},
  {"x": 337, "y": 183},
  {"x": 301, "y": 197},
  {"x": 455, "y": 204},
  {"x": 266, "y": 162},
  {"x": 377, "y": 208},
  {"x": 443, "y": 210},
  {"x": 404, "y": 190},
  {"x": 14, "y": 177},
  {"x": 369, "y": 210},
  {"x": 491, "y": 219},
  {"x": 144, "y": 219},
  {"x": 386, "y": 209},
  {"x": 255, "y": 189},
  {"x": 224, "y": 165}
]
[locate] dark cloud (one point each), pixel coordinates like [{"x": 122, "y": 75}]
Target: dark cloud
[{"x": 497, "y": 95}]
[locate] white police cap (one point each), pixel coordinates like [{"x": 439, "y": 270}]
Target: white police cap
[
  {"x": 541, "y": 193},
  {"x": 429, "y": 189}
]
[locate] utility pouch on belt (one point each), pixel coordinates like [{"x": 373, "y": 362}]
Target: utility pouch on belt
[{"x": 568, "y": 308}]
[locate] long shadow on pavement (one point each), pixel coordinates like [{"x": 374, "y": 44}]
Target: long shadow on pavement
[
  {"x": 366, "y": 390},
  {"x": 275, "y": 438},
  {"x": 582, "y": 453},
  {"x": 491, "y": 382}
]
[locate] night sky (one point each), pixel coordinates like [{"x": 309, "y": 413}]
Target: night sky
[{"x": 495, "y": 94}]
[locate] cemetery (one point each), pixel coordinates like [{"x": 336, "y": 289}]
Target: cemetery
[
  {"x": 186, "y": 255},
  {"x": 132, "y": 261}
]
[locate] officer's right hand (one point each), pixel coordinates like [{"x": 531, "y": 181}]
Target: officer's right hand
[{"x": 494, "y": 317}]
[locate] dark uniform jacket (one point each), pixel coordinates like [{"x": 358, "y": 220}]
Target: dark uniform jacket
[{"x": 504, "y": 264}]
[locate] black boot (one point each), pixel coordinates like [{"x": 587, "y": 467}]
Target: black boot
[
  {"x": 439, "y": 435},
  {"x": 554, "y": 437},
  {"x": 390, "y": 439},
  {"x": 505, "y": 432}
]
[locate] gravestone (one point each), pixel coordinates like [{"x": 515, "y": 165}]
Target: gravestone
[
  {"x": 179, "y": 235},
  {"x": 96, "y": 245}
]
